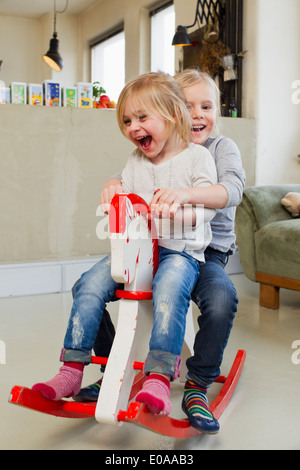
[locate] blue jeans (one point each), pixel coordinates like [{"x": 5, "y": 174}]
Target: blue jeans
[
  {"x": 173, "y": 283},
  {"x": 91, "y": 293},
  {"x": 216, "y": 297}
]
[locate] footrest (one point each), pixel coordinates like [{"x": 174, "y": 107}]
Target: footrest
[
  {"x": 34, "y": 400},
  {"x": 138, "y": 413}
]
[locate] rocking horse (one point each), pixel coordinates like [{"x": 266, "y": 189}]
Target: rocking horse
[{"x": 134, "y": 261}]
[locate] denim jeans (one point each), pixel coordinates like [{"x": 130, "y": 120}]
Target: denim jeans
[
  {"x": 91, "y": 293},
  {"x": 173, "y": 283},
  {"x": 216, "y": 297}
]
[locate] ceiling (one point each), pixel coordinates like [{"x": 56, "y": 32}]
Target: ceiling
[{"x": 35, "y": 9}]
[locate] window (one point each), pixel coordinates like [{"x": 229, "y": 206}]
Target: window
[
  {"x": 108, "y": 63},
  {"x": 162, "y": 32}
]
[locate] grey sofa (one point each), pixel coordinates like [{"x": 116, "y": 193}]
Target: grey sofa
[{"x": 268, "y": 239}]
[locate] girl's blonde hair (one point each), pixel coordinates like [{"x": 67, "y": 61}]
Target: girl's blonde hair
[
  {"x": 190, "y": 77},
  {"x": 158, "y": 93}
]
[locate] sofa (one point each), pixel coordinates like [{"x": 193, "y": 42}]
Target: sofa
[{"x": 268, "y": 240}]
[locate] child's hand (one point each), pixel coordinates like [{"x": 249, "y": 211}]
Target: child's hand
[
  {"x": 111, "y": 187},
  {"x": 165, "y": 202}
]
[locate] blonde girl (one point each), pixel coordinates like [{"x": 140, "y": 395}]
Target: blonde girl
[
  {"x": 214, "y": 293},
  {"x": 152, "y": 114}
]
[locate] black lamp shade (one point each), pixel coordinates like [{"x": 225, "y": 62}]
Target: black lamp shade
[
  {"x": 52, "y": 57},
  {"x": 181, "y": 38}
]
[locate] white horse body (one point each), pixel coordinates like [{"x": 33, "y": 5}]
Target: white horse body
[{"x": 134, "y": 260}]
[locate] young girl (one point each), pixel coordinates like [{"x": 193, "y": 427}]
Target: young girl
[
  {"x": 214, "y": 294},
  {"x": 152, "y": 114}
]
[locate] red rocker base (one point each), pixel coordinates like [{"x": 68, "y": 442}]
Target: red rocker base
[{"x": 136, "y": 413}]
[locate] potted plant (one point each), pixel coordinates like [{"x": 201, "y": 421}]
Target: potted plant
[{"x": 97, "y": 92}]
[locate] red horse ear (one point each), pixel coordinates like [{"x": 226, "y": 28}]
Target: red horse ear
[
  {"x": 118, "y": 210},
  {"x": 117, "y": 216}
]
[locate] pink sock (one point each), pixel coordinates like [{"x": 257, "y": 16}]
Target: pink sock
[
  {"x": 65, "y": 384},
  {"x": 156, "y": 394}
]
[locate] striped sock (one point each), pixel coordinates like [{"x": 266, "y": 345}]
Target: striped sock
[
  {"x": 196, "y": 401},
  {"x": 96, "y": 386},
  {"x": 89, "y": 393}
]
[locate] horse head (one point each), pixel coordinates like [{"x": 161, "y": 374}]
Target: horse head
[{"x": 134, "y": 250}]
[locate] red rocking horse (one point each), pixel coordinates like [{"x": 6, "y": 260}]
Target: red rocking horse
[{"x": 134, "y": 261}]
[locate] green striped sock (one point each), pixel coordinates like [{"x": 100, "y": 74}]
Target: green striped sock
[
  {"x": 96, "y": 386},
  {"x": 196, "y": 401}
]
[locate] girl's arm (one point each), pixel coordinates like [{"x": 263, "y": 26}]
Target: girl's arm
[
  {"x": 212, "y": 197},
  {"x": 203, "y": 176},
  {"x": 228, "y": 191},
  {"x": 119, "y": 183},
  {"x": 231, "y": 174},
  {"x": 111, "y": 187}
]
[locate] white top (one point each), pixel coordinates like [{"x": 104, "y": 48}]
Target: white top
[{"x": 193, "y": 167}]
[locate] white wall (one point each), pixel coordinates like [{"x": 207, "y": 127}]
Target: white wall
[
  {"x": 54, "y": 163},
  {"x": 24, "y": 41},
  {"x": 272, "y": 64},
  {"x": 21, "y": 50}
]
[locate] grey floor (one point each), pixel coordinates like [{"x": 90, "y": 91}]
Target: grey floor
[{"x": 264, "y": 412}]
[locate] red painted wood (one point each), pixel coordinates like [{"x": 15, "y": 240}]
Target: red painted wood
[
  {"x": 127, "y": 294},
  {"x": 180, "y": 428},
  {"x": 103, "y": 361},
  {"x": 117, "y": 219},
  {"x": 34, "y": 400},
  {"x": 137, "y": 413}
]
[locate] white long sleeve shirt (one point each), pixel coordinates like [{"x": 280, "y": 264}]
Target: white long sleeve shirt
[{"x": 193, "y": 167}]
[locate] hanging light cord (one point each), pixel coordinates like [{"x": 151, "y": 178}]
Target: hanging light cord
[{"x": 57, "y": 11}]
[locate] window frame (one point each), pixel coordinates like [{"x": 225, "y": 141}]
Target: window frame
[
  {"x": 101, "y": 39},
  {"x": 159, "y": 7}
]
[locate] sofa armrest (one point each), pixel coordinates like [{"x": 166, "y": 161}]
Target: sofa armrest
[{"x": 260, "y": 205}]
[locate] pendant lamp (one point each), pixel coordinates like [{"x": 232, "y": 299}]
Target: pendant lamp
[{"x": 52, "y": 57}]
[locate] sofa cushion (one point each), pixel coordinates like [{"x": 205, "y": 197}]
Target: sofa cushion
[
  {"x": 278, "y": 248},
  {"x": 291, "y": 202}
]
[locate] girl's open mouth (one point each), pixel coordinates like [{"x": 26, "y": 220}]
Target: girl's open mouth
[
  {"x": 197, "y": 128},
  {"x": 145, "y": 141}
]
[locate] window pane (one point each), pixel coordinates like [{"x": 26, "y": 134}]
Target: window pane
[
  {"x": 108, "y": 65},
  {"x": 162, "y": 32}
]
